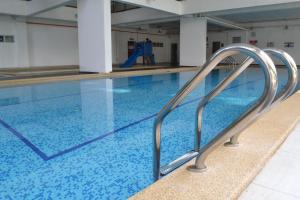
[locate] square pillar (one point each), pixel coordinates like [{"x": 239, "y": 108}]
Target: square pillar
[
  {"x": 193, "y": 33},
  {"x": 94, "y": 35}
]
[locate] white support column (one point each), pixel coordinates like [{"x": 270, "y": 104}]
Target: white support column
[
  {"x": 94, "y": 34},
  {"x": 193, "y": 32}
]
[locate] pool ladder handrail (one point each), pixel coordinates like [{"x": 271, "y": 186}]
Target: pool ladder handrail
[
  {"x": 269, "y": 93},
  {"x": 265, "y": 101},
  {"x": 286, "y": 92}
]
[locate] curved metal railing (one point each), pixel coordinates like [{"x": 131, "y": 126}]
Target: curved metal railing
[
  {"x": 287, "y": 91},
  {"x": 265, "y": 102},
  {"x": 242, "y": 122},
  {"x": 268, "y": 95},
  {"x": 292, "y": 69},
  {"x": 230, "y": 63}
]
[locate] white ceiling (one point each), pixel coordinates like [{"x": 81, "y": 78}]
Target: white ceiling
[
  {"x": 115, "y": 6},
  {"x": 242, "y": 15}
]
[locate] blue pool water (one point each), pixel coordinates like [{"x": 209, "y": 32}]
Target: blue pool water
[{"x": 92, "y": 139}]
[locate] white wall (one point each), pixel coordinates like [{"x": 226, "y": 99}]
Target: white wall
[
  {"x": 278, "y": 34},
  {"x": 7, "y": 50},
  {"x": 224, "y": 37},
  {"x": 45, "y": 43},
  {"x": 13, "y": 54},
  {"x": 264, "y": 32},
  {"x": 52, "y": 45},
  {"x": 37, "y": 44}
]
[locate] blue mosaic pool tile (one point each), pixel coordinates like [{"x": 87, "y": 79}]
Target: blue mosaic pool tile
[{"x": 116, "y": 116}]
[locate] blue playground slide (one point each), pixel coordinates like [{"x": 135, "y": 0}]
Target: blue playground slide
[{"x": 141, "y": 49}]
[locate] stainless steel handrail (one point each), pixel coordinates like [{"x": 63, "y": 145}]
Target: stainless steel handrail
[
  {"x": 240, "y": 123},
  {"x": 292, "y": 69},
  {"x": 288, "y": 89},
  {"x": 230, "y": 61},
  {"x": 283, "y": 94},
  {"x": 269, "y": 94}
]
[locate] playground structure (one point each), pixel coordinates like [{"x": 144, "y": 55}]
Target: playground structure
[{"x": 144, "y": 49}]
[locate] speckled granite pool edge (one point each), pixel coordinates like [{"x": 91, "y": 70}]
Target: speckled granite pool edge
[
  {"x": 29, "y": 81},
  {"x": 231, "y": 170}
]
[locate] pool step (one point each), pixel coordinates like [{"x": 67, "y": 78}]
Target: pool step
[{"x": 164, "y": 170}]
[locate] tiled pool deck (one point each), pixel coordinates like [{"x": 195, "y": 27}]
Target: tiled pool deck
[{"x": 279, "y": 179}]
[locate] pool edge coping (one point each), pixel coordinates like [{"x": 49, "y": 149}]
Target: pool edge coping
[
  {"x": 50, "y": 79},
  {"x": 182, "y": 184}
]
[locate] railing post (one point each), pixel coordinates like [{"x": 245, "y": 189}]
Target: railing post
[
  {"x": 237, "y": 126},
  {"x": 230, "y": 132},
  {"x": 288, "y": 90},
  {"x": 198, "y": 130},
  {"x": 156, "y": 150},
  {"x": 233, "y": 141}
]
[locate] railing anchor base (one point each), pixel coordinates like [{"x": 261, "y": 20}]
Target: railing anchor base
[
  {"x": 194, "y": 168},
  {"x": 230, "y": 144}
]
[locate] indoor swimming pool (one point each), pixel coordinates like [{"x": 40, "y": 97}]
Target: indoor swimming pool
[{"x": 92, "y": 139}]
